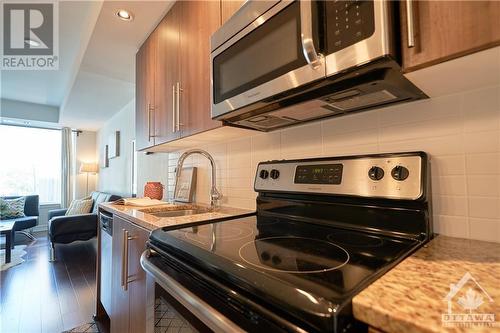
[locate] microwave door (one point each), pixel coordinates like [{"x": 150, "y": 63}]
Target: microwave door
[{"x": 274, "y": 54}]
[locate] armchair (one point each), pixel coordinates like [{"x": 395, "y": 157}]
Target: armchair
[
  {"x": 67, "y": 229},
  {"x": 30, "y": 220}
]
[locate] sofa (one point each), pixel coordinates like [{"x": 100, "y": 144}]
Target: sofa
[
  {"x": 65, "y": 229},
  {"x": 31, "y": 210}
]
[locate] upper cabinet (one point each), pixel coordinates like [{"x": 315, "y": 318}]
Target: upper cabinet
[
  {"x": 200, "y": 20},
  {"x": 168, "y": 75},
  {"x": 173, "y": 75},
  {"x": 228, "y": 8},
  {"x": 443, "y": 30},
  {"x": 145, "y": 93}
]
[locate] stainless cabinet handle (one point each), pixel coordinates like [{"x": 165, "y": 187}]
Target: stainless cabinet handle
[
  {"x": 126, "y": 239},
  {"x": 312, "y": 57},
  {"x": 174, "y": 127},
  {"x": 124, "y": 257},
  {"x": 150, "y": 109},
  {"x": 149, "y": 122},
  {"x": 410, "y": 23},
  {"x": 178, "y": 105}
]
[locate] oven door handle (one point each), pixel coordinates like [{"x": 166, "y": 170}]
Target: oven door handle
[
  {"x": 313, "y": 58},
  {"x": 207, "y": 314}
]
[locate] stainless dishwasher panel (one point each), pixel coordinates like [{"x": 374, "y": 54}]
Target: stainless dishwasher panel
[{"x": 106, "y": 232}]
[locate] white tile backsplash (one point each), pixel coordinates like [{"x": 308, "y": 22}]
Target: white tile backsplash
[{"x": 460, "y": 132}]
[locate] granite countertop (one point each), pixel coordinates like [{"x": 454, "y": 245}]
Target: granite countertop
[
  {"x": 412, "y": 296},
  {"x": 140, "y": 216}
]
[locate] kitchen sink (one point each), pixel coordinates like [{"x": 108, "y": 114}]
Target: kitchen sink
[{"x": 180, "y": 212}]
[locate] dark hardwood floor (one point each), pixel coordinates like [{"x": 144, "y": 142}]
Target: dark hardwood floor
[{"x": 43, "y": 296}]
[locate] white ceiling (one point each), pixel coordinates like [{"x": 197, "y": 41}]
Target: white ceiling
[{"x": 96, "y": 78}]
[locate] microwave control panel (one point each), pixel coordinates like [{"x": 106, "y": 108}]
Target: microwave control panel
[{"x": 348, "y": 22}]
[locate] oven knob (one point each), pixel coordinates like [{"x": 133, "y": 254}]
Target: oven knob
[
  {"x": 264, "y": 174},
  {"x": 275, "y": 174},
  {"x": 400, "y": 173},
  {"x": 376, "y": 173}
]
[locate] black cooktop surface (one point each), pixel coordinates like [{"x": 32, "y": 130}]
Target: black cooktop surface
[{"x": 306, "y": 270}]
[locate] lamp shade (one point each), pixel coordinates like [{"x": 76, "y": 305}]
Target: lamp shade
[{"x": 89, "y": 167}]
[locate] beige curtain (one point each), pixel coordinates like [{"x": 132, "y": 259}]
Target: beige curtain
[{"x": 66, "y": 161}]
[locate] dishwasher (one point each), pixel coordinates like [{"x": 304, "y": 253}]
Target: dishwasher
[{"x": 106, "y": 232}]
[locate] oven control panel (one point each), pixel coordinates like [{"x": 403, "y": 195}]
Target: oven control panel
[
  {"x": 318, "y": 174},
  {"x": 395, "y": 176}
]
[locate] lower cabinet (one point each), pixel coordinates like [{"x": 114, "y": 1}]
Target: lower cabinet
[{"x": 129, "y": 281}]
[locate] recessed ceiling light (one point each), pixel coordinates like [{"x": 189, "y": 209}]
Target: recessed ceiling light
[
  {"x": 124, "y": 15},
  {"x": 32, "y": 42}
]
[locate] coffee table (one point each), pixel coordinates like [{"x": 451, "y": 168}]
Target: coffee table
[{"x": 6, "y": 229}]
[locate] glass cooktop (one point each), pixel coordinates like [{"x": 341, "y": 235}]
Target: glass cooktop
[{"x": 302, "y": 268}]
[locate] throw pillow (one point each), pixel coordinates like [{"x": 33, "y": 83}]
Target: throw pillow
[
  {"x": 12, "y": 208},
  {"x": 80, "y": 206}
]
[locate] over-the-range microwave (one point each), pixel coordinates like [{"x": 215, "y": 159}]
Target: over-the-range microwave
[{"x": 279, "y": 63}]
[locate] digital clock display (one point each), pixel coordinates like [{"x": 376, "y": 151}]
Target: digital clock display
[{"x": 319, "y": 174}]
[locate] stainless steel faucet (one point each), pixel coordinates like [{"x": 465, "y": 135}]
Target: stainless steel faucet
[{"x": 215, "y": 195}]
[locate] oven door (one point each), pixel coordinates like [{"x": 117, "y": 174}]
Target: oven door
[
  {"x": 276, "y": 52},
  {"x": 175, "y": 302},
  {"x": 185, "y": 297}
]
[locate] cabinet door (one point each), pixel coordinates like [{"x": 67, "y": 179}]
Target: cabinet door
[
  {"x": 120, "y": 298},
  {"x": 137, "y": 279},
  {"x": 167, "y": 75},
  {"x": 145, "y": 77},
  {"x": 229, "y": 7},
  {"x": 448, "y": 29},
  {"x": 199, "y": 20}
]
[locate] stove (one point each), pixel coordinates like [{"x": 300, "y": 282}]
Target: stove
[{"x": 324, "y": 230}]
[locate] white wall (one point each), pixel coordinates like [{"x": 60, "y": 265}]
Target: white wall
[
  {"x": 85, "y": 152},
  {"x": 152, "y": 168},
  {"x": 461, "y": 132},
  {"x": 117, "y": 178}
]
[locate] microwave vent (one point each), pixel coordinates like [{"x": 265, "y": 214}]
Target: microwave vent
[
  {"x": 353, "y": 99},
  {"x": 265, "y": 122}
]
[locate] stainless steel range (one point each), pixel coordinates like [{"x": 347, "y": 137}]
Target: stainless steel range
[{"x": 324, "y": 230}]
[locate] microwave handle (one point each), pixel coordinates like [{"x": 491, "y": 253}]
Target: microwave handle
[{"x": 312, "y": 57}]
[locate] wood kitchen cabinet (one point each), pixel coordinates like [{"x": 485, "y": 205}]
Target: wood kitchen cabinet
[
  {"x": 144, "y": 92},
  {"x": 200, "y": 19},
  {"x": 173, "y": 75},
  {"x": 168, "y": 74},
  {"x": 229, "y": 7},
  {"x": 447, "y": 29},
  {"x": 129, "y": 283}
]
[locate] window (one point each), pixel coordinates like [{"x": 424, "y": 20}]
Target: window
[{"x": 31, "y": 162}]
